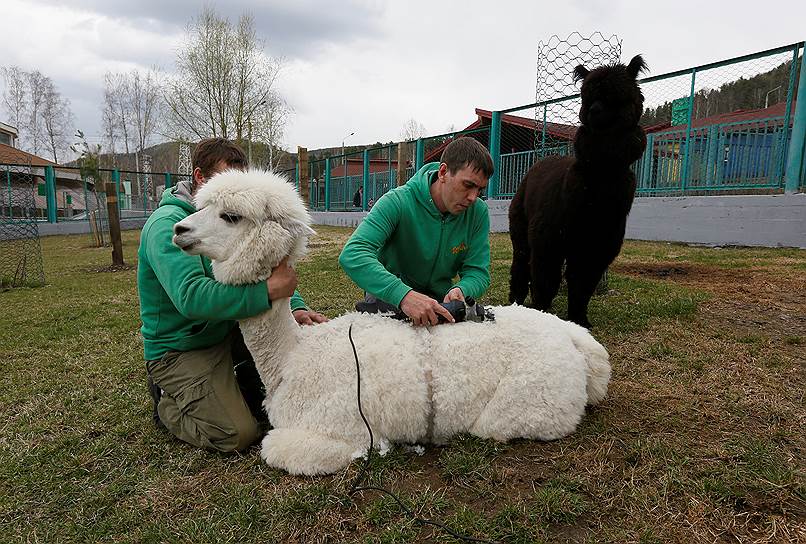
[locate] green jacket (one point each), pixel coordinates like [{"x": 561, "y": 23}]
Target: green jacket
[
  {"x": 405, "y": 243},
  {"x": 182, "y": 306}
]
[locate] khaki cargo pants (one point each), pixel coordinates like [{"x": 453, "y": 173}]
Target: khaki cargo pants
[{"x": 201, "y": 403}]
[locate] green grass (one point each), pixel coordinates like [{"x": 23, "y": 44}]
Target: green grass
[{"x": 700, "y": 438}]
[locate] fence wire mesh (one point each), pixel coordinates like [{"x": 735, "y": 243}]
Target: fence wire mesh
[
  {"x": 724, "y": 127},
  {"x": 20, "y": 248},
  {"x": 720, "y": 128}
]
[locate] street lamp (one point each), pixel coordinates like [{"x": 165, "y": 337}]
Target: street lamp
[
  {"x": 344, "y": 157},
  {"x": 767, "y": 97}
]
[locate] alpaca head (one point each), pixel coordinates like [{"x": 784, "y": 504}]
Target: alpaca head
[
  {"x": 246, "y": 222},
  {"x": 611, "y": 98}
]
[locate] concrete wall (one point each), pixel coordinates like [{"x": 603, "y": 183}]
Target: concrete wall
[
  {"x": 758, "y": 220},
  {"x": 83, "y": 227}
]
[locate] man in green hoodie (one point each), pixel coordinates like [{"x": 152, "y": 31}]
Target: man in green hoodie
[
  {"x": 419, "y": 237},
  {"x": 202, "y": 378}
]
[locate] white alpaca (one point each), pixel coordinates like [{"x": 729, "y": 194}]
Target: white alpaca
[{"x": 527, "y": 374}]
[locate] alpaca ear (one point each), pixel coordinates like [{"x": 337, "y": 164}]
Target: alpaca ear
[
  {"x": 637, "y": 66},
  {"x": 580, "y": 73},
  {"x": 297, "y": 228}
]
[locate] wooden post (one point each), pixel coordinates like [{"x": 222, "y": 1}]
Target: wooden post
[
  {"x": 304, "y": 175},
  {"x": 402, "y": 157},
  {"x": 114, "y": 224}
]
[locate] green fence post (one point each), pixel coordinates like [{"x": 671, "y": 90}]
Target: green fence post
[
  {"x": 686, "y": 150},
  {"x": 8, "y": 181},
  {"x": 543, "y": 135},
  {"x": 168, "y": 181},
  {"x": 495, "y": 153},
  {"x": 327, "y": 184},
  {"x": 116, "y": 181},
  {"x": 365, "y": 182},
  {"x": 420, "y": 155},
  {"x": 712, "y": 156},
  {"x": 50, "y": 193},
  {"x": 86, "y": 204},
  {"x": 296, "y": 176},
  {"x": 794, "y": 163},
  {"x": 646, "y": 169}
]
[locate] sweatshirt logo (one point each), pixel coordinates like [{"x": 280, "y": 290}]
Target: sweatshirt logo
[{"x": 458, "y": 249}]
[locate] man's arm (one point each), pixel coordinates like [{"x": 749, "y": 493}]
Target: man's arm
[
  {"x": 474, "y": 275},
  {"x": 195, "y": 295},
  {"x": 359, "y": 258}
]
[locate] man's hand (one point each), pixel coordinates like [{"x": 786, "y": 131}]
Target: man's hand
[
  {"x": 282, "y": 282},
  {"x": 308, "y": 317},
  {"x": 454, "y": 294},
  {"x": 422, "y": 309}
]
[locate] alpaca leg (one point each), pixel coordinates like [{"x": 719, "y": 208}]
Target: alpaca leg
[
  {"x": 546, "y": 276},
  {"x": 519, "y": 272},
  {"x": 299, "y": 451},
  {"x": 582, "y": 279},
  {"x": 525, "y": 406}
]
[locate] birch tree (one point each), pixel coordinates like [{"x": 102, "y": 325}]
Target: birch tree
[{"x": 223, "y": 78}]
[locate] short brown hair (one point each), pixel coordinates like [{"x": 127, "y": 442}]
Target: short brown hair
[
  {"x": 467, "y": 151},
  {"x": 208, "y": 153}
]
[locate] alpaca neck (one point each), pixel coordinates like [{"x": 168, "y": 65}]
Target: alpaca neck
[
  {"x": 270, "y": 337},
  {"x": 609, "y": 151}
]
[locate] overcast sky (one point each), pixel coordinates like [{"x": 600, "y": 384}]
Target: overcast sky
[{"x": 367, "y": 66}]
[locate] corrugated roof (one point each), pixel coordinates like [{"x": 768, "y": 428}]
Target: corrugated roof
[{"x": 12, "y": 155}]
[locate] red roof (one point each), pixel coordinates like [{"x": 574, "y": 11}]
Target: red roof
[
  {"x": 738, "y": 116},
  {"x": 556, "y": 130},
  {"x": 12, "y": 155}
]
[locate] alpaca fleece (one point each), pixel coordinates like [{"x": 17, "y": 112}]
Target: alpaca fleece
[
  {"x": 527, "y": 374},
  {"x": 573, "y": 210}
]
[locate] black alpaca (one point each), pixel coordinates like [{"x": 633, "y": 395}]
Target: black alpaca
[{"x": 573, "y": 210}]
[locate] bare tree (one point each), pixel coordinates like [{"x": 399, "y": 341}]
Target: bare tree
[
  {"x": 116, "y": 106},
  {"x": 223, "y": 77},
  {"x": 56, "y": 119},
  {"x": 144, "y": 102},
  {"x": 270, "y": 120},
  {"x": 412, "y": 130},
  {"x": 35, "y": 106},
  {"x": 110, "y": 126},
  {"x": 15, "y": 97},
  {"x": 36, "y": 97}
]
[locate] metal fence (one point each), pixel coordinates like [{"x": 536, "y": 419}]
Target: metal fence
[
  {"x": 720, "y": 128},
  {"x": 734, "y": 126},
  {"x": 62, "y": 194}
]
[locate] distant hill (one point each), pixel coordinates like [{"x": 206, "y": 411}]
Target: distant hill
[{"x": 740, "y": 94}]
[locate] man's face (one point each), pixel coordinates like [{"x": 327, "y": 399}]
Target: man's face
[{"x": 461, "y": 189}]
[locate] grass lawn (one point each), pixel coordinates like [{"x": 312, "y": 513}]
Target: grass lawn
[{"x": 701, "y": 438}]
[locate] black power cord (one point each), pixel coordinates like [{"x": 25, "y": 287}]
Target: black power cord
[{"x": 356, "y": 487}]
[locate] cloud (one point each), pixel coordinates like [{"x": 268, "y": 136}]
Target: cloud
[{"x": 294, "y": 29}]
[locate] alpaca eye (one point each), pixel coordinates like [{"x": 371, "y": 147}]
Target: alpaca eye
[{"x": 230, "y": 217}]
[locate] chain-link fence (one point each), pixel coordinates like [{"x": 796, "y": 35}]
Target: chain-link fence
[
  {"x": 20, "y": 249},
  {"x": 720, "y": 128}
]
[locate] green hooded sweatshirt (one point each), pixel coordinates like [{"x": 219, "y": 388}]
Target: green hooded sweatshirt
[
  {"x": 182, "y": 306},
  {"x": 406, "y": 243}
]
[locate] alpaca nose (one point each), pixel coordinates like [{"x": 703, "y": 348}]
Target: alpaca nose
[
  {"x": 180, "y": 229},
  {"x": 597, "y": 108}
]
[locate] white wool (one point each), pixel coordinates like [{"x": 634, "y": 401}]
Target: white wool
[{"x": 528, "y": 374}]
